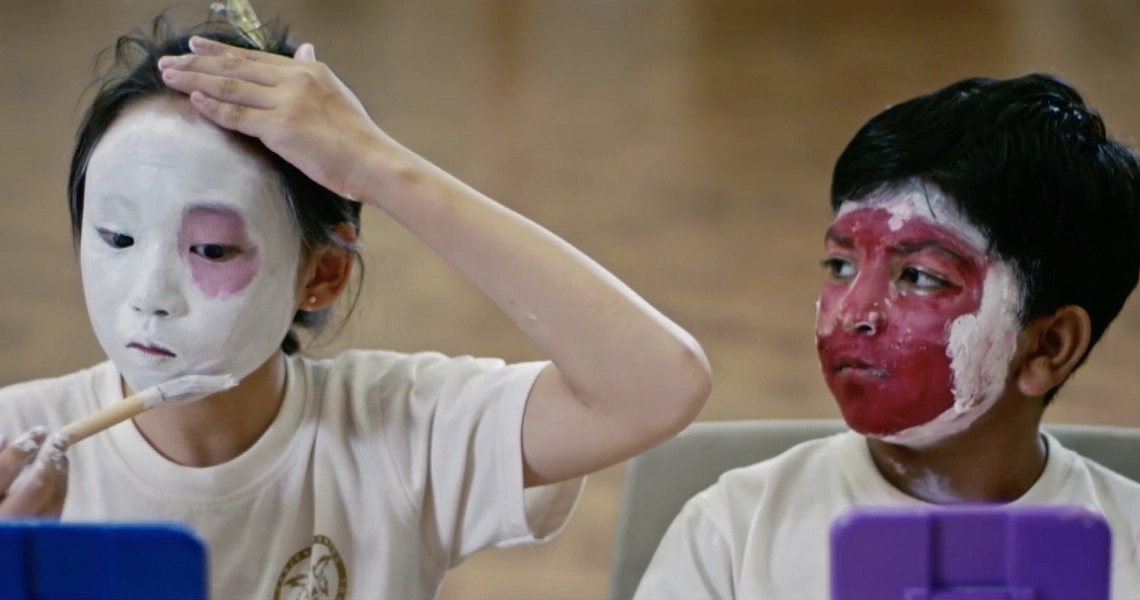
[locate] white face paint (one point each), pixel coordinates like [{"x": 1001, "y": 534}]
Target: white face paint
[
  {"x": 189, "y": 251},
  {"x": 980, "y": 348},
  {"x": 928, "y": 486},
  {"x": 916, "y": 200}
]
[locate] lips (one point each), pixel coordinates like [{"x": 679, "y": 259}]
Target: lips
[
  {"x": 151, "y": 349},
  {"x": 855, "y": 365},
  {"x": 851, "y": 356}
]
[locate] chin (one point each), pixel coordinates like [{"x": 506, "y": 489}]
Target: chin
[
  {"x": 138, "y": 380},
  {"x": 902, "y": 425},
  {"x": 139, "y": 377},
  {"x": 864, "y": 411},
  {"x": 945, "y": 426},
  {"x": 871, "y": 428}
]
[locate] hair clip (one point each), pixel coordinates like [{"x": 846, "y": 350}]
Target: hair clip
[{"x": 242, "y": 18}]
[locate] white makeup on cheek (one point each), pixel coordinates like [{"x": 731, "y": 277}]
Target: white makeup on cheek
[
  {"x": 822, "y": 328},
  {"x": 152, "y": 167},
  {"x": 980, "y": 347},
  {"x": 982, "y": 344}
]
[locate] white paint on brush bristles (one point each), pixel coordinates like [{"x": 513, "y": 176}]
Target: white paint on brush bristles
[{"x": 185, "y": 389}]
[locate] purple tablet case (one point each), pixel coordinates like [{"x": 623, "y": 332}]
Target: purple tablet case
[{"x": 971, "y": 553}]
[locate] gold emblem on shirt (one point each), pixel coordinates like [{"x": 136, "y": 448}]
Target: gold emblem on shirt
[{"x": 309, "y": 574}]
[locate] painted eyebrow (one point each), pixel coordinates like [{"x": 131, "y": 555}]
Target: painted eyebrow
[
  {"x": 838, "y": 239},
  {"x": 116, "y": 201},
  {"x": 204, "y": 206},
  {"x": 214, "y": 207},
  {"x": 905, "y": 249},
  {"x": 219, "y": 209}
]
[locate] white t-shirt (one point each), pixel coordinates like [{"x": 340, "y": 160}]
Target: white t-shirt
[
  {"x": 762, "y": 532},
  {"x": 380, "y": 472}
]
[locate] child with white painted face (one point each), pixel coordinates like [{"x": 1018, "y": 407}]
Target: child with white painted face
[
  {"x": 215, "y": 198},
  {"x": 985, "y": 236}
]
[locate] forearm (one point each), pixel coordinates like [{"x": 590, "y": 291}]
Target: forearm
[{"x": 613, "y": 349}]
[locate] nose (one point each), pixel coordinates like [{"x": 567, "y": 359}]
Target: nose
[
  {"x": 157, "y": 291},
  {"x": 863, "y": 309}
]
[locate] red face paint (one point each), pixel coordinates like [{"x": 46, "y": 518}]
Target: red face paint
[
  {"x": 215, "y": 244},
  {"x": 895, "y": 286}
]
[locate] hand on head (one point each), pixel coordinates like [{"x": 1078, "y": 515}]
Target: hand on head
[
  {"x": 33, "y": 474},
  {"x": 296, "y": 106}
]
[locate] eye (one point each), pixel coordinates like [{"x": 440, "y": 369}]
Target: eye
[
  {"x": 922, "y": 280},
  {"x": 116, "y": 240},
  {"x": 215, "y": 252},
  {"x": 839, "y": 268}
]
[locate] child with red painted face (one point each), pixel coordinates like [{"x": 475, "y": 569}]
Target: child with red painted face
[{"x": 985, "y": 235}]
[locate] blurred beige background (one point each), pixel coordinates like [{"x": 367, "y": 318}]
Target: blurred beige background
[{"x": 687, "y": 146}]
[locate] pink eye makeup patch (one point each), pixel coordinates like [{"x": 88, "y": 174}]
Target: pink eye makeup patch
[{"x": 215, "y": 244}]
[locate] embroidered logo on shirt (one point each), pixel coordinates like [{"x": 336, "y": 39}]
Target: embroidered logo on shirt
[{"x": 313, "y": 573}]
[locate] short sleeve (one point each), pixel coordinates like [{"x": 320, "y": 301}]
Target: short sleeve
[
  {"x": 693, "y": 561},
  {"x": 457, "y": 444}
]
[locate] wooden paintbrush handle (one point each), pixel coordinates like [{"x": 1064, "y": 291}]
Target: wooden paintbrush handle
[{"x": 103, "y": 419}]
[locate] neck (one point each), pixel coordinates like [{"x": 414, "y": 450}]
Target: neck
[
  {"x": 996, "y": 460},
  {"x": 221, "y": 427}
]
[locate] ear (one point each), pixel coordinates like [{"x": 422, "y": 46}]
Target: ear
[
  {"x": 327, "y": 272},
  {"x": 1052, "y": 346}
]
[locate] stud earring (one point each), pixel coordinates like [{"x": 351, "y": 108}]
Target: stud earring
[{"x": 312, "y": 300}]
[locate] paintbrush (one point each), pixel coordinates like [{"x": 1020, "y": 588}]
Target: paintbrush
[{"x": 179, "y": 390}]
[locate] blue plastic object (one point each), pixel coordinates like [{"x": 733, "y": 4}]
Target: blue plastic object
[
  {"x": 47, "y": 560},
  {"x": 971, "y": 553}
]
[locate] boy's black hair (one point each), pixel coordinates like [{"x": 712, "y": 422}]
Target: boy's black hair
[{"x": 1030, "y": 164}]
